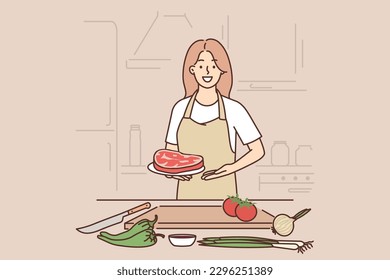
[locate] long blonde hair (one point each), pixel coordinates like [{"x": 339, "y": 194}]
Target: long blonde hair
[{"x": 219, "y": 53}]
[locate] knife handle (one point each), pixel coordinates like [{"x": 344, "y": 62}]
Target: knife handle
[{"x": 139, "y": 208}]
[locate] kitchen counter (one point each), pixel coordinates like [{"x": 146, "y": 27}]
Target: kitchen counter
[
  {"x": 199, "y": 216},
  {"x": 164, "y": 250}
]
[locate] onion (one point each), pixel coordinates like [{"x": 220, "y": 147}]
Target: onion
[{"x": 284, "y": 224}]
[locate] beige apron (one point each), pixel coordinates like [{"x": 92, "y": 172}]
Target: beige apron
[{"x": 211, "y": 141}]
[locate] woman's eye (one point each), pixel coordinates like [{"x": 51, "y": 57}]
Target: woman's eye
[
  {"x": 213, "y": 66},
  {"x": 201, "y": 67}
]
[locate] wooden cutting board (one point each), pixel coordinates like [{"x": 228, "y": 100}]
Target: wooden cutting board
[{"x": 200, "y": 217}]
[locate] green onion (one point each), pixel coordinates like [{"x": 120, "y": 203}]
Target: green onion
[{"x": 255, "y": 242}]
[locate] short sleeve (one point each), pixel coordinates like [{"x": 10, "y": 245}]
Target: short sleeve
[
  {"x": 174, "y": 122},
  {"x": 244, "y": 125}
]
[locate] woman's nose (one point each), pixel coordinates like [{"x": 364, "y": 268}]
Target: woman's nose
[{"x": 207, "y": 69}]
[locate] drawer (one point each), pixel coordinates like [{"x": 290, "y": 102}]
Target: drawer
[{"x": 279, "y": 183}]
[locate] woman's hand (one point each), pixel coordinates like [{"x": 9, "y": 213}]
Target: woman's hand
[
  {"x": 181, "y": 178},
  {"x": 223, "y": 171},
  {"x": 256, "y": 152}
]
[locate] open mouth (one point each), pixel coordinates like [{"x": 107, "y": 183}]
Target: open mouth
[{"x": 207, "y": 79}]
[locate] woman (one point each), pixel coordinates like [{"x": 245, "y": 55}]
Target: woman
[{"x": 206, "y": 122}]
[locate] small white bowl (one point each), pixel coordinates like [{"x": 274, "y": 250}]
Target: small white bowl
[{"x": 182, "y": 239}]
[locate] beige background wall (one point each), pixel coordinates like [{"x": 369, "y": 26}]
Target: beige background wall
[{"x": 66, "y": 69}]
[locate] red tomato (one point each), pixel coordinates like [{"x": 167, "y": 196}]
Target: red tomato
[
  {"x": 230, "y": 204},
  {"x": 246, "y": 211}
]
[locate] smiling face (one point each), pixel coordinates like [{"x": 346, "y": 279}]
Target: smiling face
[
  {"x": 207, "y": 65},
  {"x": 205, "y": 70}
]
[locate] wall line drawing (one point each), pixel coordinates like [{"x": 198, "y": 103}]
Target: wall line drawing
[
  {"x": 116, "y": 97},
  {"x": 302, "y": 155},
  {"x": 252, "y": 86},
  {"x": 143, "y": 68},
  {"x": 296, "y": 51},
  {"x": 109, "y": 156},
  {"x": 295, "y": 48},
  {"x": 287, "y": 183},
  {"x": 149, "y": 59},
  {"x": 299, "y": 190},
  {"x": 109, "y": 112},
  {"x": 169, "y": 199},
  {"x": 183, "y": 16},
  {"x": 266, "y": 81},
  {"x": 272, "y": 90},
  {"x": 287, "y": 173},
  {"x": 227, "y": 32},
  {"x": 295, "y": 181},
  {"x": 147, "y": 32},
  {"x": 144, "y": 60},
  {"x": 302, "y": 53},
  {"x": 135, "y": 147},
  {"x": 95, "y": 130},
  {"x": 265, "y": 165}
]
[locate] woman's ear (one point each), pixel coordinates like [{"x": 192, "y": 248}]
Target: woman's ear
[{"x": 192, "y": 70}]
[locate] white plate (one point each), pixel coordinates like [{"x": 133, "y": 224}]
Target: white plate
[{"x": 192, "y": 172}]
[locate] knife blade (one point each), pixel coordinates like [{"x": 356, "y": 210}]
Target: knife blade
[{"x": 113, "y": 220}]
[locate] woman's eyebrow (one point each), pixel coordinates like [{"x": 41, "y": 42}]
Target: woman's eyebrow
[
  {"x": 214, "y": 59},
  {"x": 200, "y": 60}
]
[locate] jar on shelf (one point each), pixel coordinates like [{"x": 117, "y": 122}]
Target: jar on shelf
[
  {"x": 280, "y": 153},
  {"x": 303, "y": 155},
  {"x": 135, "y": 145}
]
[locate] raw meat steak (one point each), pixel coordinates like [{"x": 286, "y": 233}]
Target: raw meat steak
[{"x": 175, "y": 162}]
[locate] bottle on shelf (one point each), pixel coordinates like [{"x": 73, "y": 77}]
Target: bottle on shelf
[
  {"x": 303, "y": 155},
  {"x": 135, "y": 145},
  {"x": 280, "y": 153}
]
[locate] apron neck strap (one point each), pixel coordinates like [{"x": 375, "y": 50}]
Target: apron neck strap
[{"x": 221, "y": 107}]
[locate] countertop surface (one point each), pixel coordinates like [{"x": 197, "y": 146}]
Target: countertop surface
[
  {"x": 163, "y": 249},
  {"x": 183, "y": 216}
]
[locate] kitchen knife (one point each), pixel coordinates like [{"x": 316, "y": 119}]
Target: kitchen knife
[{"x": 113, "y": 220}]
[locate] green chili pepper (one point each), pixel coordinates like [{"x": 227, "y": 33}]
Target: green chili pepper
[
  {"x": 140, "y": 234},
  {"x": 138, "y": 227},
  {"x": 143, "y": 238}
]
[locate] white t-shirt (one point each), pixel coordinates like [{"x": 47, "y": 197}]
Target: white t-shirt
[{"x": 238, "y": 119}]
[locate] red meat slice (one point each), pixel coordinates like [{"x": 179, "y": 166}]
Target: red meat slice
[{"x": 175, "y": 162}]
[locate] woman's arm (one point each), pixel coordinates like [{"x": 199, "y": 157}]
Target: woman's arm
[
  {"x": 172, "y": 147},
  {"x": 255, "y": 153}
]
